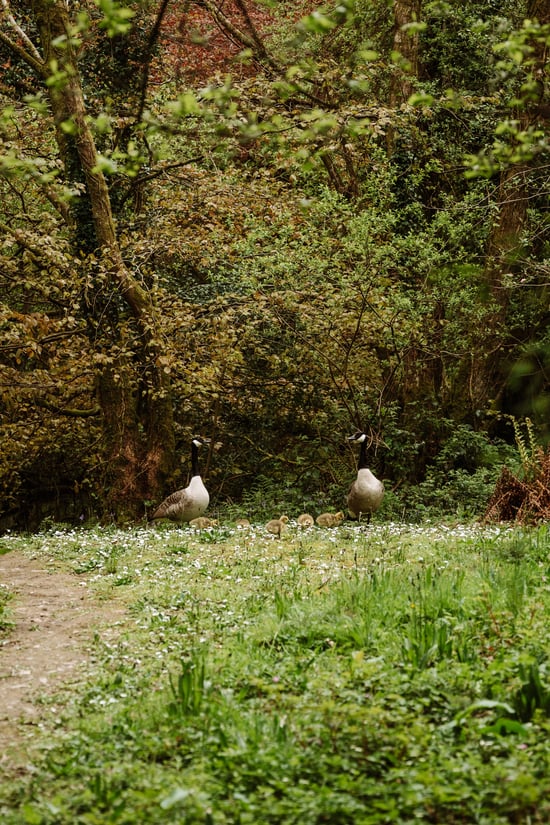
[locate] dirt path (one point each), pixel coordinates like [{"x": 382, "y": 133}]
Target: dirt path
[{"x": 55, "y": 619}]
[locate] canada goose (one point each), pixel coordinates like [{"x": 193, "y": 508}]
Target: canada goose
[
  {"x": 304, "y": 521},
  {"x": 330, "y": 519},
  {"x": 242, "y": 523},
  {"x": 191, "y": 502},
  {"x": 202, "y": 522},
  {"x": 366, "y": 493},
  {"x": 277, "y": 525}
]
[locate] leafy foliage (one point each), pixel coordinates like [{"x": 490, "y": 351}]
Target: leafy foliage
[
  {"x": 313, "y": 256},
  {"x": 6, "y": 623}
]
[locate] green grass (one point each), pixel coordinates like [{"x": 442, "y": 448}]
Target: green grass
[
  {"x": 6, "y": 623},
  {"x": 391, "y": 674}
]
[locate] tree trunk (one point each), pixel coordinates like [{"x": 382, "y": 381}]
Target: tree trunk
[
  {"x": 133, "y": 385},
  {"x": 406, "y": 44}
]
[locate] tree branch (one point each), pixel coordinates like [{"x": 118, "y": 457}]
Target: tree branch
[
  {"x": 252, "y": 41},
  {"x": 30, "y": 243},
  {"x": 30, "y": 55},
  {"x": 68, "y": 411},
  {"x": 47, "y": 339},
  {"x": 153, "y": 37}
]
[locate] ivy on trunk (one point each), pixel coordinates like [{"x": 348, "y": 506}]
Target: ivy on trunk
[{"x": 132, "y": 380}]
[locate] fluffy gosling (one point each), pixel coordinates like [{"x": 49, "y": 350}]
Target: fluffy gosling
[
  {"x": 304, "y": 521},
  {"x": 330, "y": 519},
  {"x": 202, "y": 523},
  {"x": 277, "y": 526}
]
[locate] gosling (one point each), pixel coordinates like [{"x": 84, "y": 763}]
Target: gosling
[
  {"x": 203, "y": 523},
  {"x": 330, "y": 519},
  {"x": 277, "y": 526}
]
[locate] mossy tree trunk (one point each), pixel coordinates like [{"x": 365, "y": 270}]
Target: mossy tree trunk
[
  {"x": 133, "y": 385},
  {"x": 406, "y": 44}
]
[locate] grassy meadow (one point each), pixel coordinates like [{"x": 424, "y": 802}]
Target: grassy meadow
[{"x": 383, "y": 674}]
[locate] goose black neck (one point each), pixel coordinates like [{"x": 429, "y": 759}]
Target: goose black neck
[
  {"x": 363, "y": 463},
  {"x": 194, "y": 460}
]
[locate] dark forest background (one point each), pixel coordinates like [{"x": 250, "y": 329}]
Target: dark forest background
[{"x": 271, "y": 224}]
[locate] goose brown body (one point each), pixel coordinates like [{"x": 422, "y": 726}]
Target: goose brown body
[
  {"x": 191, "y": 502},
  {"x": 366, "y": 493}
]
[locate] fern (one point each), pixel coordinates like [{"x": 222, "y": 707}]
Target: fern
[{"x": 528, "y": 448}]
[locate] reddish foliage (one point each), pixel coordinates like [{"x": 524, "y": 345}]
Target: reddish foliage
[
  {"x": 195, "y": 48},
  {"x": 522, "y": 501}
]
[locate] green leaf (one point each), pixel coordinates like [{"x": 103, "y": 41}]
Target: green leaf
[
  {"x": 106, "y": 165},
  {"x": 421, "y": 99},
  {"x": 177, "y": 795},
  {"x": 102, "y": 123},
  {"x": 368, "y": 55},
  {"x": 317, "y": 23},
  {"x": 116, "y": 17},
  {"x": 69, "y": 127},
  {"x": 485, "y": 704},
  {"x": 414, "y": 28},
  {"x": 186, "y": 104},
  {"x": 31, "y": 816},
  {"x": 504, "y": 726}
]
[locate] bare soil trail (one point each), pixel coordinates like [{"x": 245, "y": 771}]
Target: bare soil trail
[{"x": 54, "y": 620}]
